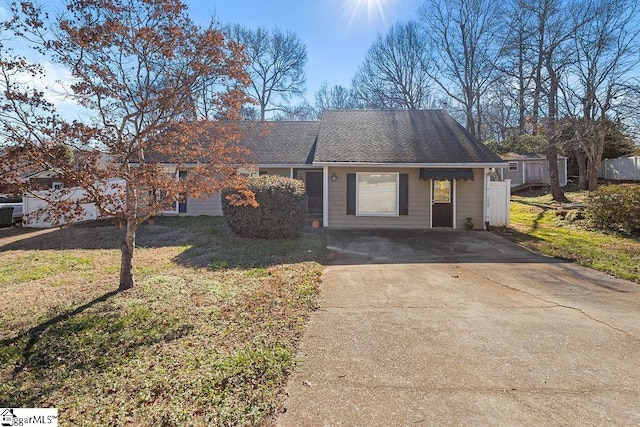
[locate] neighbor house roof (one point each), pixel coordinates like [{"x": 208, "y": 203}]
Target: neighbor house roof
[
  {"x": 280, "y": 143},
  {"x": 397, "y": 136}
]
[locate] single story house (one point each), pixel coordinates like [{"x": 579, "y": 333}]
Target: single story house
[
  {"x": 375, "y": 168},
  {"x": 532, "y": 168}
]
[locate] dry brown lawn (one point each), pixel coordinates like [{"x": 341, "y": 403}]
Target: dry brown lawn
[{"x": 207, "y": 336}]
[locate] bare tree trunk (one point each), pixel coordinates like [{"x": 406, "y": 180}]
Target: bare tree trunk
[
  {"x": 594, "y": 166},
  {"x": 581, "y": 159},
  {"x": 126, "y": 258},
  {"x": 552, "y": 153},
  {"x": 129, "y": 243},
  {"x": 471, "y": 125},
  {"x": 554, "y": 174},
  {"x": 522, "y": 92}
]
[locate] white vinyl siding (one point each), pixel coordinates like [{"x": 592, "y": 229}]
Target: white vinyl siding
[
  {"x": 469, "y": 200},
  {"x": 419, "y": 196}
]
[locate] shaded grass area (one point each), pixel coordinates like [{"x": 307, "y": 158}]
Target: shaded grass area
[
  {"x": 207, "y": 336},
  {"x": 535, "y": 225}
]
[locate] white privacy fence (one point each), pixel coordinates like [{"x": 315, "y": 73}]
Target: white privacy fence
[
  {"x": 499, "y": 202},
  {"x": 35, "y": 206},
  {"x": 621, "y": 169}
]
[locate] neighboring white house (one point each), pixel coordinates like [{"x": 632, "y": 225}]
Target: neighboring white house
[
  {"x": 34, "y": 206},
  {"x": 532, "y": 168}
]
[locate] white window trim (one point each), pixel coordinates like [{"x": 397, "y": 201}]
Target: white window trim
[
  {"x": 57, "y": 185},
  {"x": 516, "y": 168},
  {"x": 383, "y": 214}
]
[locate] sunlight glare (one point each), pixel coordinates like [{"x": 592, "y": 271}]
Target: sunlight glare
[{"x": 373, "y": 8}]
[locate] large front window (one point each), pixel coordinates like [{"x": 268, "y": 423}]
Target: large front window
[{"x": 377, "y": 194}]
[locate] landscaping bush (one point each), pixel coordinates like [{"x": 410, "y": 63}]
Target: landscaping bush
[
  {"x": 281, "y": 214},
  {"x": 615, "y": 207}
]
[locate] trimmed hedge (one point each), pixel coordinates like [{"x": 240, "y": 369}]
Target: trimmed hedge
[
  {"x": 281, "y": 214},
  {"x": 615, "y": 207}
]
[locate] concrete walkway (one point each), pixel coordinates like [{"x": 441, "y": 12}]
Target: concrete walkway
[{"x": 464, "y": 328}]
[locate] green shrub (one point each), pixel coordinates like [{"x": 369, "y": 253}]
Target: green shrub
[
  {"x": 615, "y": 207},
  {"x": 281, "y": 214}
]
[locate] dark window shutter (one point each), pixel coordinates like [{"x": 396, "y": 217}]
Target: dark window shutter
[
  {"x": 351, "y": 194},
  {"x": 403, "y": 195}
]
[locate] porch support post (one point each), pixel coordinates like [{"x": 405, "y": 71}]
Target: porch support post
[
  {"x": 325, "y": 196},
  {"x": 486, "y": 201},
  {"x": 431, "y": 203},
  {"x": 455, "y": 198},
  {"x": 291, "y": 173}
]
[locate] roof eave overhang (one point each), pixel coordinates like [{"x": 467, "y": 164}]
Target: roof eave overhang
[
  {"x": 259, "y": 165},
  {"x": 286, "y": 165},
  {"x": 415, "y": 165}
]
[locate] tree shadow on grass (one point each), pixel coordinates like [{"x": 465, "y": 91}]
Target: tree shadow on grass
[
  {"x": 230, "y": 251},
  {"x": 516, "y": 236},
  {"x": 158, "y": 232},
  {"x": 78, "y": 344},
  {"x": 33, "y": 335}
]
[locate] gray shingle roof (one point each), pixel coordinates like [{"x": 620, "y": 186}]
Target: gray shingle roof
[
  {"x": 397, "y": 136},
  {"x": 280, "y": 143}
]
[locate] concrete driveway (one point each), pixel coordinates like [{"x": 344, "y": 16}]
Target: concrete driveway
[{"x": 464, "y": 328}]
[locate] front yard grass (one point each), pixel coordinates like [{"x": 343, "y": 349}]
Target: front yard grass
[
  {"x": 207, "y": 337},
  {"x": 535, "y": 225}
]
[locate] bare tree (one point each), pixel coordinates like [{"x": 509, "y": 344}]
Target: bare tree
[
  {"x": 501, "y": 110},
  {"x": 299, "y": 112},
  {"x": 394, "y": 73},
  {"x": 465, "y": 36},
  {"x": 336, "y": 97},
  {"x": 276, "y": 65},
  {"x": 517, "y": 59},
  {"x": 608, "y": 49},
  {"x": 556, "y": 23}
]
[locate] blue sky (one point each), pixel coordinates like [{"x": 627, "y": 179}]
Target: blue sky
[{"x": 337, "y": 33}]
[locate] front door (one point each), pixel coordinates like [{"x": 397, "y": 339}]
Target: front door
[
  {"x": 442, "y": 206},
  {"x": 313, "y": 185}
]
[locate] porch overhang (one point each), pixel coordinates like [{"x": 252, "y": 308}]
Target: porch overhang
[{"x": 449, "y": 174}]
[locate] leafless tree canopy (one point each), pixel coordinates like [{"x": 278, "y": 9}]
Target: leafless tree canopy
[
  {"x": 276, "y": 65},
  {"x": 336, "y": 97},
  {"x": 465, "y": 38},
  {"x": 395, "y": 72}
]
